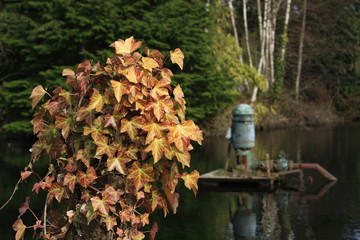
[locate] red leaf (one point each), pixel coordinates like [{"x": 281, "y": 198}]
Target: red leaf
[
  {"x": 63, "y": 123},
  {"x": 25, "y": 175},
  {"x": 141, "y": 174},
  {"x": 153, "y": 231},
  {"x": 118, "y": 162},
  {"x": 104, "y": 148},
  {"x": 24, "y": 207},
  {"x": 70, "y": 180},
  {"x": 110, "y": 223},
  {"x": 100, "y": 205},
  {"x": 85, "y": 179},
  {"x": 58, "y": 191}
]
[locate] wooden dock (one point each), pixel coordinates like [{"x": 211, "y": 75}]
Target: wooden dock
[{"x": 221, "y": 180}]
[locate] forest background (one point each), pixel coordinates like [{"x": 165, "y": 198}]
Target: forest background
[{"x": 296, "y": 61}]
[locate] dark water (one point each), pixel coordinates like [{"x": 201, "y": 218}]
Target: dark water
[{"x": 312, "y": 214}]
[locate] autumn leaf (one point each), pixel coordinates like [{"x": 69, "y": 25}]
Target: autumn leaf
[
  {"x": 58, "y": 191},
  {"x": 118, "y": 162},
  {"x": 85, "y": 114},
  {"x": 131, "y": 127},
  {"x": 111, "y": 194},
  {"x": 104, "y": 148},
  {"x": 166, "y": 74},
  {"x": 134, "y": 75},
  {"x": 158, "y": 146},
  {"x": 110, "y": 223},
  {"x": 149, "y": 63},
  {"x": 137, "y": 236},
  {"x": 180, "y": 134},
  {"x": 132, "y": 151},
  {"x": 110, "y": 121},
  {"x": 153, "y": 231},
  {"x": 81, "y": 155},
  {"x": 24, "y": 207},
  {"x": 160, "y": 89},
  {"x": 182, "y": 157},
  {"x": 100, "y": 205},
  {"x": 97, "y": 101},
  {"x": 120, "y": 88},
  {"x": 153, "y": 129},
  {"x": 85, "y": 179},
  {"x": 179, "y": 95},
  {"x": 177, "y": 57},
  {"x": 70, "y": 180},
  {"x": 19, "y": 227},
  {"x": 159, "y": 107},
  {"x": 157, "y": 200},
  {"x": 141, "y": 174},
  {"x": 36, "y": 95},
  {"x": 25, "y": 175},
  {"x": 63, "y": 123},
  {"x": 191, "y": 180},
  {"x": 126, "y": 47},
  {"x": 67, "y": 72}
]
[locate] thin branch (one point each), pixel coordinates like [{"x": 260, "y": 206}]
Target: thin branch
[{"x": 12, "y": 195}]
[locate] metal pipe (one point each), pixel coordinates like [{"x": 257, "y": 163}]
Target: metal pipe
[{"x": 317, "y": 167}]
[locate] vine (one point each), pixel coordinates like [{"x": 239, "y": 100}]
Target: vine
[{"x": 114, "y": 140}]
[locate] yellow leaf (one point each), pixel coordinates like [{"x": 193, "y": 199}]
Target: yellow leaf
[
  {"x": 36, "y": 95},
  {"x": 67, "y": 72},
  {"x": 158, "y": 146},
  {"x": 177, "y": 57},
  {"x": 149, "y": 63},
  {"x": 127, "y": 46},
  {"x": 120, "y": 88},
  {"x": 191, "y": 180},
  {"x": 97, "y": 101}
]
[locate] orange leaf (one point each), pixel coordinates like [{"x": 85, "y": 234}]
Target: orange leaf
[
  {"x": 25, "y": 175},
  {"x": 67, "y": 72},
  {"x": 110, "y": 194},
  {"x": 118, "y": 162},
  {"x": 80, "y": 155},
  {"x": 63, "y": 123},
  {"x": 19, "y": 227},
  {"x": 120, "y": 88},
  {"x": 137, "y": 236},
  {"x": 58, "y": 191},
  {"x": 158, "y": 146},
  {"x": 132, "y": 151},
  {"x": 159, "y": 107},
  {"x": 177, "y": 57},
  {"x": 126, "y": 47},
  {"x": 157, "y": 200},
  {"x": 97, "y": 101},
  {"x": 154, "y": 129},
  {"x": 110, "y": 223},
  {"x": 149, "y": 63},
  {"x": 85, "y": 179},
  {"x": 104, "y": 148},
  {"x": 100, "y": 205},
  {"x": 141, "y": 174},
  {"x": 166, "y": 74},
  {"x": 160, "y": 89},
  {"x": 180, "y": 134},
  {"x": 134, "y": 75},
  {"x": 36, "y": 95},
  {"x": 191, "y": 180},
  {"x": 179, "y": 95},
  {"x": 182, "y": 157},
  {"x": 131, "y": 127},
  {"x": 70, "y": 180}
]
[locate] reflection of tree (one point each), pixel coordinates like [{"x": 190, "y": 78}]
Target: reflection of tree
[{"x": 269, "y": 219}]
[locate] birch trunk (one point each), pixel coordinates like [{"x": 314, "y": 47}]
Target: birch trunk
[
  {"x": 231, "y": 7},
  {"x": 299, "y": 66},
  {"x": 247, "y": 33},
  {"x": 286, "y": 24}
]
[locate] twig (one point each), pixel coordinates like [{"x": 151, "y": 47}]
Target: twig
[
  {"x": 12, "y": 195},
  {"x": 45, "y": 215}
]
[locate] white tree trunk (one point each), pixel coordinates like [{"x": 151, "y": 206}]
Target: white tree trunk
[
  {"x": 286, "y": 24},
  {"x": 299, "y": 66},
  {"x": 231, "y": 7},
  {"x": 247, "y": 33}
]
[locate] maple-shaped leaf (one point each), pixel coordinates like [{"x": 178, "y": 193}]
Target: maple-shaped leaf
[
  {"x": 153, "y": 231},
  {"x": 19, "y": 227},
  {"x": 138, "y": 235},
  {"x": 110, "y": 121},
  {"x": 131, "y": 127},
  {"x": 63, "y": 123},
  {"x": 104, "y": 148},
  {"x": 97, "y": 101},
  {"x": 125, "y": 213},
  {"x": 158, "y": 200},
  {"x": 70, "y": 181},
  {"x": 158, "y": 146},
  {"x": 180, "y": 134},
  {"x": 126, "y": 47},
  {"x": 110, "y": 223},
  {"x": 37, "y": 225},
  {"x": 177, "y": 57},
  {"x": 25, "y": 175},
  {"x": 118, "y": 162},
  {"x": 166, "y": 74},
  {"x": 132, "y": 152},
  {"x": 111, "y": 194},
  {"x": 182, "y": 157},
  {"x": 144, "y": 219},
  {"x": 134, "y": 75},
  {"x": 101, "y": 205},
  {"x": 153, "y": 129},
  {"x": 85, "y": 179},
  {"x": 179, "y": 95},
  {"x": 191, "y": 180},
  {"x": 120, "y": 88},
  {"x": 47, "y": 183},
  {"x": 159, "y": 107},
  {"x": 85, "y": 114},
  {"x": 149, "y": 63},
  {"x": 82, "y": 156},
  {"x": 96, "y": 129},
  {"x": 37, "y": 94},
  {"x": 141, "y": 174},
  {"x": 24, "y": 207},
  {"x": 59, "y": 191},
  {"x": 160, "y": 89}
]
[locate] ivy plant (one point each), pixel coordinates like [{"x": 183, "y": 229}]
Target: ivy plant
[{"x": 116, "y": 138}]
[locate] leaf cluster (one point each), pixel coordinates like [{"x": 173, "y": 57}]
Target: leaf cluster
[{"x": 115, "y": 138}]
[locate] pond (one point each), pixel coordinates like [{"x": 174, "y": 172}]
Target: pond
[{"x": 311, "y": 214}]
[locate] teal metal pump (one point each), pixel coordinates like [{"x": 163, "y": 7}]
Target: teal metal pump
[{"x": 241, "y": 135}]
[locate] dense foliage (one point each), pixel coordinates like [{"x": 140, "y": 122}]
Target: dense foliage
[
  {"x": 114, "y": 138},
  {"x": 38, "y": 39}
]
